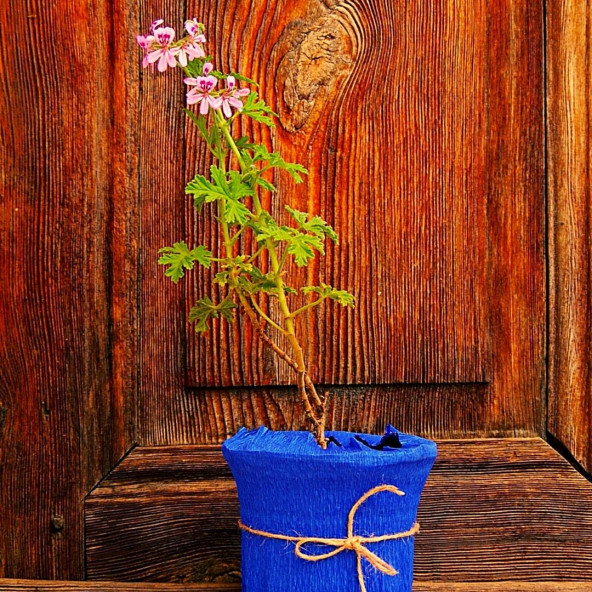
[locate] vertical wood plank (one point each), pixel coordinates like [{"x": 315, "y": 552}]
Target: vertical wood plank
[
  {"x": 161, "y": 200},
  {"x": 63, "y": 419},
  {"x": 516, "y": 214},
  {"x": 569, "y": 75}
]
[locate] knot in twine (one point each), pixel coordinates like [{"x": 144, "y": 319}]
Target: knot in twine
[{"x": 350, "y": 543}]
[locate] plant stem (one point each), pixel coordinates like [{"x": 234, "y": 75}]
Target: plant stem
[
  {"x": 307, "y": 306},
  {"x": 264, "y": 316},
  {"x": 306, "y": 389}
]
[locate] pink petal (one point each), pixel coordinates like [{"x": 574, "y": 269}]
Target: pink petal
[
  {"x": 203, "y": 108},
  {"x": 195, "y": 51},
  {"x": 200, "y": 38},
  {"x": 236, "y": 103},
  {"x": 190, "y": 81},
  {"x": 211, "y": 81},
  {"x": 226, "y": 109},
  {"x": 171, "y": 59},
  {"x": 162, "y": 63},
  {"x": 242, "y": 92},
  {"x": 154, "y": 55},
  {"x": 193, "y": 97},
  {"x": 165, "y": 35},
  {"x": 207, "y": 68},
  {"x": 230, "y": 82},
  {"x": 215, "y": 102},
  {"x": 182, "y": 56},
  {"x": 155, "y": 24}
]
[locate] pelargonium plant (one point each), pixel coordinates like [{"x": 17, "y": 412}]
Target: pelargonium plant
[{"x": 257, "y": 249}]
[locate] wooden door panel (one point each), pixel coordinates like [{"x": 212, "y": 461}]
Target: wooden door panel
[
  {"x": 392, "y": 130},
  {"x": 464, "y": 227}
]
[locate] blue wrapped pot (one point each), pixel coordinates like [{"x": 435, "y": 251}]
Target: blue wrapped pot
[{"x": 340, "y": 519}]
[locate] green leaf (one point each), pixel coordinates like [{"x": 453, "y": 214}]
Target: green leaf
[
  {"x": 302, "y": 247},
  {"x": 258, "y": 110},
  {"x": 300, "y": 217},
  {"x": 319, "y": 227},
  {"x": 274, "y": 160},
  {"x": 236, "y": 212},
  {"x": 271, "y": 230},
  {"x": 179, "y": 257},
  {"x": 201, "y": 313},
  {"x": 237, "y": 188},
  {"x": 324, "y": 290},
  {"x": 195, "y": 67},
  {"x": 316, "y": 225},
  {"x": 265, "y": 184},
  {"x": 244, "y": 143},
  {"x": 221, "y": 278},
  {"x": 205, "y": 309},
  {"x": 244, "y": 78},
  {"x": 256, "y": 281},
  {"x": 203, "y": 191},
  {"x": 200, "y": 121},
  {"x": 225, "y": 309}
]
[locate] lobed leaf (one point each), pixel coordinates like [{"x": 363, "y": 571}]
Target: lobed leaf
[
  {"x": 205, "y": 310},
  {"x": 179, "y": 257},
  {"x": 325, "y": 291},
  {"x": 258, "y": 110},
  {"x": 274, "y": 160},
  {"x": 316, "y": 225},
  {"x": 302, "y": 247}
]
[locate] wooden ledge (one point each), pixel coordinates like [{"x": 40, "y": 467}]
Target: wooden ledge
[
  {"x": 501, "y": 510},
  {"x": 39, "y": 586}
]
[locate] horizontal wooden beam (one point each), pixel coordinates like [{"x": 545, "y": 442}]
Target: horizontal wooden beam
[
  {"x": 493, "y": 510},
  {"x": 44, "y": 586}
]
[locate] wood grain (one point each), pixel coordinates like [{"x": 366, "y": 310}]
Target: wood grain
[
  {"x": 493, "y": 510},
  {"x": 37, "y": 586},
  {"x": 160, "y": 189},
  {"x": 458, "y": 255},
  {"x": 569, "y": 76},
  {"x": 397, "y": 167},
  {"x": 65, "y": 418},
  {"x": 452, "y": 411},
  {"x": 32, "y": 586}
]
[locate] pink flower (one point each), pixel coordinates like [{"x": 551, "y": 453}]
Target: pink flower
[
  {"x": 189, "y": 51},
  {"x": 165, "y": 53},
  {"x": 193, "y": 28},
  {"x": 231, "y": 96},
  {"x": 193, "y": 46},
  {"x": 145, "y": 41},
  {"x": 155, "y": 24},
  {"x": 204, "y": 85}
]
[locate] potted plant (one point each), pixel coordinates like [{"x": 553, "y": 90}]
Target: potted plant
[{"x": 320, "y": 510}]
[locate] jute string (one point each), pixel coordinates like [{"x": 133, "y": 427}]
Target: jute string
[{"x": 350, "y": 543}]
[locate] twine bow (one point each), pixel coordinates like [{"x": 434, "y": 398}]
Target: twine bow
[{"x": 350, "y": 543}]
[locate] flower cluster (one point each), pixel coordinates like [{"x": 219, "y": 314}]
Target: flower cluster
[{"x": 160, "y": 46}]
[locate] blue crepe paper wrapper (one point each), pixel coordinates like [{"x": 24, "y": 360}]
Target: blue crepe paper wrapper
[{"x": 288, "y": 485}]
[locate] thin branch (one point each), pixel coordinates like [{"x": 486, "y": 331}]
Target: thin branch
[
  {"x": 265, "y": 316},
  {"x": 309, "y": 305}
]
